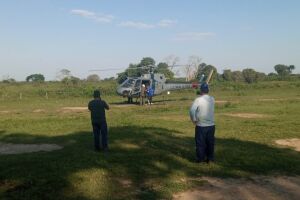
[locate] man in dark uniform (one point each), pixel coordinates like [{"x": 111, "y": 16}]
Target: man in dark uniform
[{"x": 97, "y": 108}]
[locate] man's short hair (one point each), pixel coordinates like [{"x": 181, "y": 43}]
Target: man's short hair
[
  {"x": 96, "y": 93},
  {"x": 204, "y": 88}
]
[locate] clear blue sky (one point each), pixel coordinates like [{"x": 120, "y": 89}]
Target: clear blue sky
[{"x": 43, "y": 36}]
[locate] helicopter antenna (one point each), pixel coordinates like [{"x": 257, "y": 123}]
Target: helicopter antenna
[{"x": 209, "y": 76}]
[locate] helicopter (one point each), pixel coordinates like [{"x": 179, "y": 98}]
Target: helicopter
[{"x": 131, "y": 87}]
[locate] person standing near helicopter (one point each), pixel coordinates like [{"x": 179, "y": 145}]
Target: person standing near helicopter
[
  {"x": 142, "y": 95},
  {"x": 97, "y": 107},
  {"x": 149, "y": 93},
  {"x": 202, "y": 116}
]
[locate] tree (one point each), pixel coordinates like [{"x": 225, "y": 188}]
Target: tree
[
  {"x": 284, "y": 70},
  {"x": 261, "y": 76},
  {"x": 72, "y": 80},
  {"x": 131, "y": 71},
  {"x": 64, "y": 73},
  {"x": 163, "y": 68},
  {"x": 272, "y": 74},
  {"x": 291, "y": 68},
  {"x": 93, "y": 78},
  {"x": 249, "y": 75},
  {"x": 191, "y": 69},
  {"x": 237, "y": 76},
  {"x": 109, "y": 79},
  {"x": 147, "y": 61},
  {"x": 134, "y": 71},
  {"x": 35, "y": 78},
  {"x": 171, "y": 60},
  {"x": 227, "y": 75},
  {"x": 137, "y": 70},
  {"x": 7, "y": 79},
  {"x": 121, "y": 77},
  {"x": 146, "y": 65},
  {"x": 205, "y": 69}
]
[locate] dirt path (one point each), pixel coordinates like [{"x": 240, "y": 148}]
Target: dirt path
[
  {"x": 8, "y": 148},
  {"x": 275, "y": 188},
  {"x": 247, "y": 115},
  {"x": 294, "y": 143}
]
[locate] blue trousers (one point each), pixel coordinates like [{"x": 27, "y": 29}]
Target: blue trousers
[
  {"x": 205, "y": 142},
  {"x": 100, "y": 128}
]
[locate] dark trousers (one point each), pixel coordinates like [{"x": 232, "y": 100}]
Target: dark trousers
[
  {"x": 100, "y": 128},
  {"x": 205, "y": 142},
  {"x": 150, "y": 99}
]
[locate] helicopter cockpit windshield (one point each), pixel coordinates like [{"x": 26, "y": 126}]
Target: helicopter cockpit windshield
[{"x": 128, "y": 83}]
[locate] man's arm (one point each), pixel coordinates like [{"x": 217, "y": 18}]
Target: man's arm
[
  {"x": 193, "y": 112},
  {"x": 106, "y": 105},
  {"x": 90, "y": 106}
]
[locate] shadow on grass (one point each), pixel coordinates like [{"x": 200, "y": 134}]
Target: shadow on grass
[{"x": 149, "y": 160}]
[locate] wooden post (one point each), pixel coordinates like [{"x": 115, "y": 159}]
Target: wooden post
[
  {"x": 46, "y": 95},
  {"x": 20, "y": 96}
]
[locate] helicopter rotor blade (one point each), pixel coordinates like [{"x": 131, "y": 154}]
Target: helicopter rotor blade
[
  {"x": 128, "y": 68},
  {"x": 108, "y": 69}
]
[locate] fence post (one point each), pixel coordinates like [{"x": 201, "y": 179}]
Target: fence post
[
  {"x": 46, "y": 95},
  {"x": 20, "y": 95}
]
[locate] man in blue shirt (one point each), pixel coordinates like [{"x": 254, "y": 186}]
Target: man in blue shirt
[
  {"x": 97, "y": 108},
  {"x": 150, "y": 93}
]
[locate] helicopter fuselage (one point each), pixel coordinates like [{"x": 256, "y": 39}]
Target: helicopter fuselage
[{"x": 131, "y": 87}]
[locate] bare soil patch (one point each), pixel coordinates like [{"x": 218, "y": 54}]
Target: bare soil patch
[
  {"x": 247, "y": 115},
  {"x": 39, "y": 111},
  {"x": 294, "y": 143},
  {"x": 279, "y": 99},
  {"x": 5, "y": 111},
  {"x": 123, "y": 105},
  {"x": 73, "y": 109},
  {"x": 8, "y": 148},
  {"x": 262, "y": 187},
  {"x": 270, "y": 99}
]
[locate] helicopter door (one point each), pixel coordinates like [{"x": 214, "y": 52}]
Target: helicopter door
[
  {"x": 137, "y": 86},
  {"x": 146, "y": 83}
]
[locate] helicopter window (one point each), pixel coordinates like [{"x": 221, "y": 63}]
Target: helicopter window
[
  {"x": 129, "y": 83},
  {"x": 138, "y": 83}
]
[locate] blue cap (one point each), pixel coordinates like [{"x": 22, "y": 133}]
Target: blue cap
[{"x": 204, "y": 88}]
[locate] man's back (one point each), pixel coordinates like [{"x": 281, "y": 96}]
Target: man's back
[
  {"x": 97, "y": 108},
  {"x": 202, "y": 111}
]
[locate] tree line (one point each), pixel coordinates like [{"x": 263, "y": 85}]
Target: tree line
[{"x": 193, "y": 71}]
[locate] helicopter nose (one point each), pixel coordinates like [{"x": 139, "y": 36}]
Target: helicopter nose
[{"x": 119, "y": 90}]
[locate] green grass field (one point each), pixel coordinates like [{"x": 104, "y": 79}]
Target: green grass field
[{"x": 152, "y": 149}]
